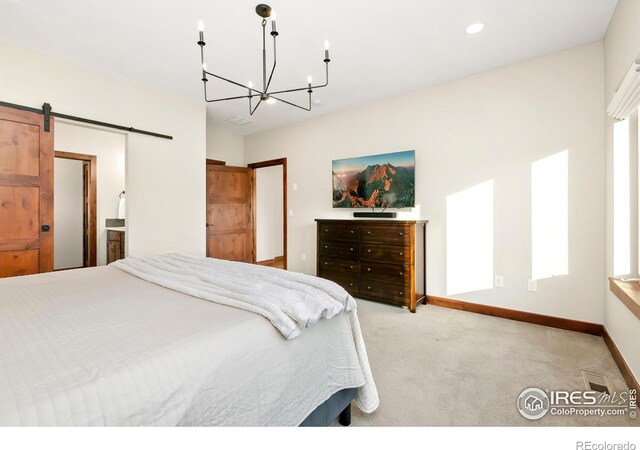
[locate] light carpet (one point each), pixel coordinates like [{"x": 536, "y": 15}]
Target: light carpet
[{"x": 442, "y": 367}]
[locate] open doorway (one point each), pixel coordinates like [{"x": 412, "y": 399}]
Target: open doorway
[
  {"x": 270, "y": 209},
  {"x": 89, "y": 180},
  {"x": 75, "y": 210}
]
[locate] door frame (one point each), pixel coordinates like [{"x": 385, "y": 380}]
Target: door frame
[
  {"x": 258, "y": 165},
  {"x": 90, "y": 227}
]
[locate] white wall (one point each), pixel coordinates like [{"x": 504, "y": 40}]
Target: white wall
[
  {"x": 269, "y": 205},
  {"x": 165, "y": 179},
  {"x": 489, "y": 126},
  {"x": 621, "y": 48},
  {"x": 224, "y": 145},
  {"x": 68, "y": 215},
  {"x": 109, "y": 149}
]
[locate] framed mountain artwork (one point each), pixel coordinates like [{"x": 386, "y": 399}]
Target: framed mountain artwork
[{"x": 376, "y": 181}]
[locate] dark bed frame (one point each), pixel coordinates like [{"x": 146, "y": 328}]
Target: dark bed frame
[{"x": 338, "y": 405}]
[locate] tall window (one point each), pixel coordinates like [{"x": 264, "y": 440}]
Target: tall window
[
  {"x": 470, "y": 239},
  {"x": 550, "y": 216},
  {"x": 621, "y": 199}
]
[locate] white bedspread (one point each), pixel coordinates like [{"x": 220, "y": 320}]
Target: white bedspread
[
  {"x": 291, "y": 301},
  {"x": 101, "y": 347}
]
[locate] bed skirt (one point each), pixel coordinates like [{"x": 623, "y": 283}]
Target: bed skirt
[{"x": 339, "y": 404}]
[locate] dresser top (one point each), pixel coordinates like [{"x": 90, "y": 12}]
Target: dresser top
[{"x": 373, "y": 221}]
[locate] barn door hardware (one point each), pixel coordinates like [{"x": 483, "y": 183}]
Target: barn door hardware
[{"x": 48, "y": 113}]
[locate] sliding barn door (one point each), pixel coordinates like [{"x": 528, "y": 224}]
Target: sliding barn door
[
  {"x": 26, "y": 194},
  {"x": 229, "y": 213}
]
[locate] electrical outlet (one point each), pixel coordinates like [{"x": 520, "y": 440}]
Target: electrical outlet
[
  {"x": 499, "y": 281},
  {"x": 291, "y": 213},
  {"x": 533, "y": 285},
  {"x": 295, "y": 186},
  {"x": 303, "y": 256}
]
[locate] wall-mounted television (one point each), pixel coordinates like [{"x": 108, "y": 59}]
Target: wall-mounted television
[{"x": 376, "y": 181}]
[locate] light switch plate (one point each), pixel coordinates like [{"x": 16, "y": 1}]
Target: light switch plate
[
  {"x": 533, "y": 285},
  {"x": 499, "y": 281}
]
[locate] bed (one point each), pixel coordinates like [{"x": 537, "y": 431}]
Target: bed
[{"x": 105, "y": 347}]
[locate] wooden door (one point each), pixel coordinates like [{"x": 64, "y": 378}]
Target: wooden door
[
  {"x": 229, "y": 213},
  {"x": 26, "y": 194}
]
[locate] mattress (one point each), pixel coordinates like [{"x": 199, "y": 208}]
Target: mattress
[{"x": 100, "y": 347}]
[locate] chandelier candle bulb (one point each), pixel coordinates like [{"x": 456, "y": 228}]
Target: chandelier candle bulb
[
  {"x": 201, "y": 33},
  {"x": 326, "y": 51},
  {"x": 273, "y": 20}
]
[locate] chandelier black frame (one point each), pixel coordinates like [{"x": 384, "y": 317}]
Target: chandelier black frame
[{"x": 263, "y": 11}]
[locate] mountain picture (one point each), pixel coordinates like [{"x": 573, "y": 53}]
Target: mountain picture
[{"x": 377, "y": 181}]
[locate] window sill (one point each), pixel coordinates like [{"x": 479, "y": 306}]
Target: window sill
[{"x": 628, "y": 292}]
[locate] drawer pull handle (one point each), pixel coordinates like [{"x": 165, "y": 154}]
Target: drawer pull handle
[
  {"x": 326, "y": 230},
  {"x": 326, "y": 246},
  {"x": 350, "y": 267},
  {"x": 401, "y": 253},
  {"x": 401, "y": 234},
  {"x": 369, "y": 251},
  {"x": 350, "y": 284},
  {"x": 368, "y": 269},
  {"x": 368, "y": 287},
  {"x": 352, "y": 231},
  {"x": 351, "y": 249},
  {"x": 326, "y": 264},
  {"x": 401, "y": 293},
  {"x": 368, "y": 232},
  {"x": 401, "y": 273}
]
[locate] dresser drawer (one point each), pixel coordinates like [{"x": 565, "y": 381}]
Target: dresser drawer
[
  {"x": 347, "y": 250},
  {"x": 390, "y": 273},
  {"x": 348, "y": 280},
  {"x": 115, "y": 235},
  {"x": 339, "y": 231},
  {"x": 386, "y": 253},
  {"x": 386, "y": 291},
  {"x": 395, "y": 234},
  {"x": 340, "y": 265}
]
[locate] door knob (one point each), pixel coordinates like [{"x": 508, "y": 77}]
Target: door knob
[{"x": 45, "y": 227}]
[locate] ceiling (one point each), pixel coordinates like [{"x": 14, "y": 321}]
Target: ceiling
[{"x": 379, "y": 48}]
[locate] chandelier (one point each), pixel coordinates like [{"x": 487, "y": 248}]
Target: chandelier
[{"x": 262, "y": 94}]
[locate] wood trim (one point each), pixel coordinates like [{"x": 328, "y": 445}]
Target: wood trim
[
  {"x": 521, "y": 316},
  {"x": 285, "y": 208},
  {"x": 631, "y": 380},
  {"x": 628, "y": 292},
  {"x": 92, "y": 220},
  {"x": 216, "y": 162},
  {"x": 277, "y": 261},
  {"x": 269, "y": 163}
]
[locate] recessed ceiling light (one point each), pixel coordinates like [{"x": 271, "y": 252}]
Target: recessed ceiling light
[{"x": 475, "y": 28}]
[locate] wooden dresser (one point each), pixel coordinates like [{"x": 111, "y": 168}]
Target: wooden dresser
[{"x": 380, "y": 260}]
